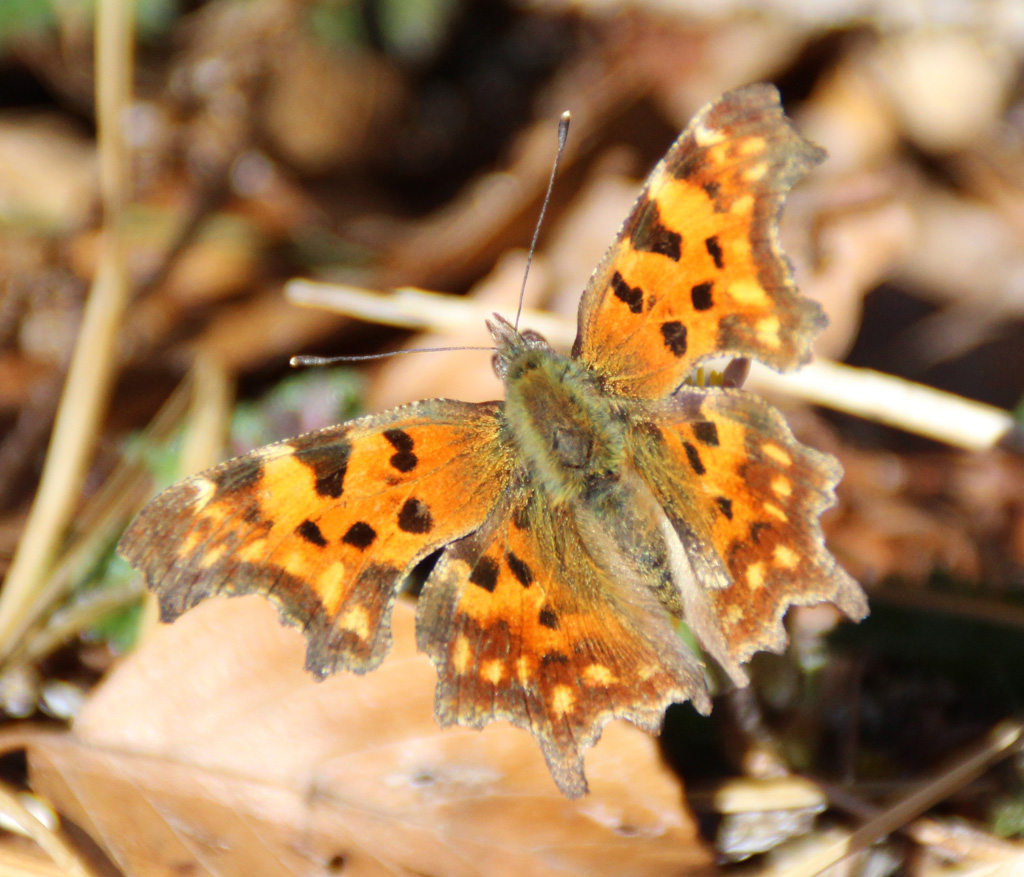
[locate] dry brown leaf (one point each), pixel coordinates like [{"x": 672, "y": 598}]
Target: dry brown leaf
[{"x": 210, "y": 749}]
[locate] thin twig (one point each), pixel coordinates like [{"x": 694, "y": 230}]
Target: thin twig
[
  {"x": 893, "y": 401},
  {"x": 1001, "y": 742},
  {"x": 49, "y": 840},
  {"x": 416, "y": 309},
  {"x": 869, "y": 394},
  {"x": 952, "y": 840}
]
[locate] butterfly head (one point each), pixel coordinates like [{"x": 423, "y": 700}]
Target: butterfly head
[
  {"x": 510, "y": 343},
  {"x": 558, "y": 417}
]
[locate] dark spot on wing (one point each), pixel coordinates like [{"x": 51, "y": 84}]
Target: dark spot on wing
[
  {"x": 700, "y": 295},
  {"x": 651, "y": 235},
  {"x": 548, "y": 618},
  {"x": 360, "y": 535},
  {"x": 404, "y": 460},
  {"x": 241, "y": 474},
  {"x": 632, "y": 296},
  {"x": 715, "y": 251},
  {"x": 706, "y": 433},
  {"x": 309, "y": 531},
  {"x": 725, "y": 505},
  {"x": 674, "y": 335},
  {"x": 485, "y": 574},
  {"x": 755, "y": 530},
  {"x": 415, "y": 517},
  {"x": 399, "y": 439},
  {"x": 522, "y": 572},
  {"x": 328, "y": 459},
  {"x": 252, "y": 514},
  {"x": 694, "y": 457}
]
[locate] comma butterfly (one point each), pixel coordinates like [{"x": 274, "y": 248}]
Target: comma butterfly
[{"x": 604, "y": 500}]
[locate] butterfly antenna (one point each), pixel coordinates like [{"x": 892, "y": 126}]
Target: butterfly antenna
[
  {"x": 304, "y": 361},
  {"x": 563, "y": 134}
]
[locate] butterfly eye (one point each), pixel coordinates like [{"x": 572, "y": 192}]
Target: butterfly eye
[
  {"x": 571, "y": 447},
  {"x": 533, "y": 338},
  {"x": 499, "y": 367}
]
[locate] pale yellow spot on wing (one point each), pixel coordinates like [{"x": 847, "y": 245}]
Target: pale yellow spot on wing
[
  {"x": 253, "y": 551},
  {"x": 751, "y": 145},
  {"x": 775, "y": 511},
  {"x": 462, "y": 655},
  {"x": 732, "y": 612},
  {"x": 205, "y": 489},
  {"x": 296, "y": 562},
  {"x": 524, "y": 671},
  {"x": 647, "y": 671},
  {"x": 598, "y": 674},
  {"x": 287, "y": 475},
  {"x": 188, "y": 546},
  {"x": 705, "y": 136},
  {"x": 743, "y": 204},
  {"x": 767, "y": 329},
  {"x": 212, "y": 516},
  {"x": 562, "y": 700},
  {"x": 778, "y": 454},
  {"x": 207, "y": 558},
  {"x": 659, "y": 181},
  {"x": 781, "y": 486},
  {"x": 786, "y": 557},
  {"x": 748, "y": 292},
  {"x": 357, "y": 621},
  {"x": 492, "y": 671},
  {"x": 330, "y": 585},
  {"x": 755, "y": 172},
  {"x": 755, "y": 575}
]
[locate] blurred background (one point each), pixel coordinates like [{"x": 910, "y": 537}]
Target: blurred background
[{"x": 166, "y": 167}]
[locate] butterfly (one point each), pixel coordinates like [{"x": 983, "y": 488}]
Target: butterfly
[{"x": 581, "y": 519}]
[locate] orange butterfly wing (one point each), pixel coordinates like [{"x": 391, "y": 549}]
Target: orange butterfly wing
[
  {"x": 522, "y": 625},
  {"x": 327, "y": 524},
  {"x": 697, "y": 270},
  {"x": 745, "y": 497}
]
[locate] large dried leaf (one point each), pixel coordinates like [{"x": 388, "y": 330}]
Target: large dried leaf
[{"x": 210, "y": 750}]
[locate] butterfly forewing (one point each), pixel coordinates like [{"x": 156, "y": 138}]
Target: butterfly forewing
[
  {"x": 697, "y": 270},
  {"x": 327, "y": 524}
]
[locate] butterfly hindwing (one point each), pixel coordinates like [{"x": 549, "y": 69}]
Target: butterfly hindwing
[
  {"x": 697, "y": 269},
  {"x": 523, "y": 626},
  {"x": 326, "y": 524},
  {"x": 745, "y": 497}
]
